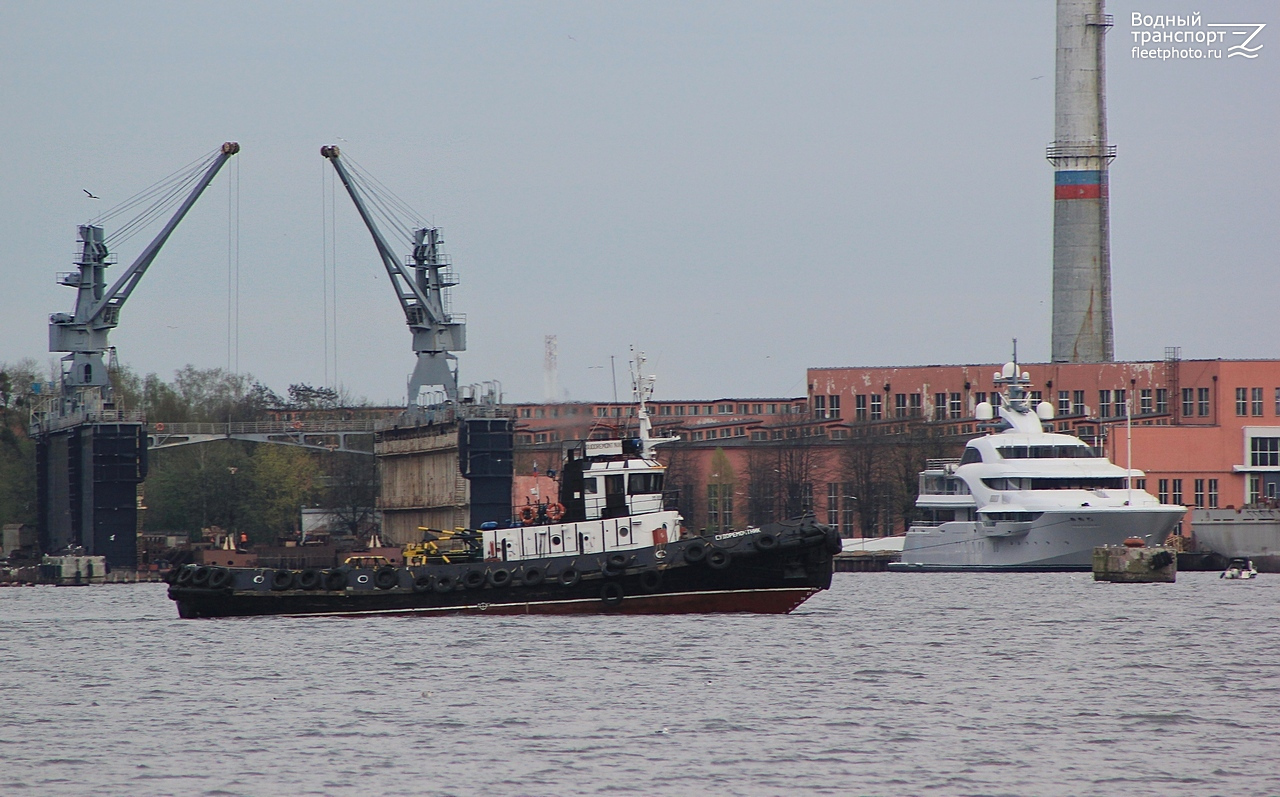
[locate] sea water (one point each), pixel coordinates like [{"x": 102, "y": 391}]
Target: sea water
[{"x": 888, "y": 684}]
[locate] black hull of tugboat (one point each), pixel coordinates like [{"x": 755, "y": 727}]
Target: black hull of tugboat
[{"x": 770, "y": 570}]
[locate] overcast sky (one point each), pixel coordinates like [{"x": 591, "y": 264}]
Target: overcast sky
[{"x": 741, "y": 189}]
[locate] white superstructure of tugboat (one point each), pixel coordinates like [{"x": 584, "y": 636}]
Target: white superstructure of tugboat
[
  {"x": 608, "y": 544},
  {"x": 1023, "y": 499}
]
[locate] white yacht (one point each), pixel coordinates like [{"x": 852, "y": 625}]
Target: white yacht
[{"x": 1022, "y": 499}]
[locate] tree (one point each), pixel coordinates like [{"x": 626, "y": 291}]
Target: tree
[{"x": 351, "y": 491}]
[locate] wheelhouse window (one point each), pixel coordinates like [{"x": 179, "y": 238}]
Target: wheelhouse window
[
  {"x": 971, "y": 455},
  {"x": 644, "y": 483},
  {"x": 1048, "y": 452}
]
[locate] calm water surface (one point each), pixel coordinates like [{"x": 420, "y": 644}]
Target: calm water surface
[{"x": 889, "y": 684}]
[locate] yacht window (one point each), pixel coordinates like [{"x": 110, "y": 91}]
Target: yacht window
[
  {"x": 644, "y": 483},
  {"x": 1065, "y": 483},
  {"x": 971, "y": 455},
  {"x": 589, "y": 486}
]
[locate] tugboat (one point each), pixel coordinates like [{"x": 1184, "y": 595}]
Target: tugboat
[{"x": 608, "y": 545}]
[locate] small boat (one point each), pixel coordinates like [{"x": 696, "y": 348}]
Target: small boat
[
  {"x": 1024, "y": 499},
  {"x": 1239, "y": 569},
  {"x": 610, "y": 544}
]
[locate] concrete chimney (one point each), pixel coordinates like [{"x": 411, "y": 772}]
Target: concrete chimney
[{"x": 1081, "y": 156}]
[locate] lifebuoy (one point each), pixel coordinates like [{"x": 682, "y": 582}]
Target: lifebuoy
[
  {"x": 570, "y": 577},
  {"x": 719, "y": 559},
  {"x": 611, "y": 593},
  {"x": 386, "y": 578},
  {"x": 531, "y": 576},
  {"x": 310, "y": 579},
  {"x": 695, "y": 553},
  {"x": 499, "y": 577},
  {"x": 765, "y": 542},
  {"x": 282, "y": 580},
  {"x": 219, "y": 578},
  {"x": 159, "y": 427},
  {"x": 527, "y": 515},
  {"x": 555, "y": 512}
]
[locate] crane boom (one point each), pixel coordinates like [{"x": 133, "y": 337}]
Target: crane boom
[
  {"x": 420, "y": 290},
  {"x": 84, "y": 332}
]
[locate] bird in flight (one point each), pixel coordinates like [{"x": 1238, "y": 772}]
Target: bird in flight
[{"x": 91, "y": 196}]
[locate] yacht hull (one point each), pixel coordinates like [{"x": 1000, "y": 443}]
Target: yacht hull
[{"x": 1054, "y": 542}]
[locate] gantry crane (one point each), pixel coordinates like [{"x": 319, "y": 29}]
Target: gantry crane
[
  {"x": 420, "y": 286},
  {"x": 83, "y": 332}
]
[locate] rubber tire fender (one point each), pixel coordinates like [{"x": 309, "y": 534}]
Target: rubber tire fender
[
  {"x": 474, "y": 579},
  {"x": 221, "y": 577},
  {"x": 651, "y": 580},
  {"x": 611, "y": 593},
  {"x": 719, "y": 559},
  {"x": 185, "y": 575},
  {"x": 765, "y": 542},
  {"x": 310, "y": 579},
  {"x": 616, "y": 561},
  {"x": 499, "y": 577},
  {"x": 281, "y": 580},
  {"x": 335, "y": 580},
  {"x": 834, "y": 543},
  {"x": 695, "y": 552},
  {"x": 569, "y": 577},
  {"x": 532, "y": 576},
  {"x": 445, "y": 583},
  {"x": 386, "y": 578},
  {"x": 424, "y": 583},
  {"x": 201, "y": 576}
]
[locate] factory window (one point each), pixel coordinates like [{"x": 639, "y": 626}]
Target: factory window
[
  {"x": 859, "y": 408},
  {"x": 819, "y": 406},
  {"x": 1202, "y": 401},
  {"x": 772, "y": 409},
  {"x": 1162, "y": 400},
  {"x": 806, "y": 497},
  {"x": 603, "y": 412},
  {"x": 777, "y": 434},
  {"x": 1188, "y": 402},
  {"x": 757, "y": 436},
  {"x": 1064, "y": 402},
  {"x": 1213, "y": 493},
  {"x": 955, "y": 408},
  {"x": 1255, "y": 484},
  {"x": 540, "y": 437},
  {"x": 744, "y": 409},
  {"x": 617, "y": 412},
  {"x": 917, "y": 405},
  {"x": 1144, "y": 401},
  {"x": 1036, "y": 397},
  {"x": 1242, "y": 401},
  {"x": 978, "y": 398},
  {"x": 1177, "y": 491},
  {"x": 726, "y": 409},
  {"x": 939, "y": 406},
  {"x": 1122, "y": 403},
  {"x": 1077, "y": 402},
  {"x": 1104, "y": 403},
  {"x": 833, "y": 504},
  {"x": 680, "y": 410},
  {"x": 540, "y": 412},
  {"x": 525, "y": 412},
  {"x": 1264, "y": 452},
  {"x": 876, "y": 406},
  {"x": 664, "y": 410},
  {"x": 1199, "y": 493},
  {"x": 846, "y": 511},
  {"x": 697, "y": 435},
  {"x": 1164, "y": 491},
  {"x": 899, "y": 405},
  {"x": 833, "y": 407},
  {"x": 524, "y": 438},
  {"x": 757, "y": 409},
  {"x": 1255, "y": 406}
]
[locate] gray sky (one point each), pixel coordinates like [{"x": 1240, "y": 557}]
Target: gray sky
[{"x": 740, "y": 189}]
